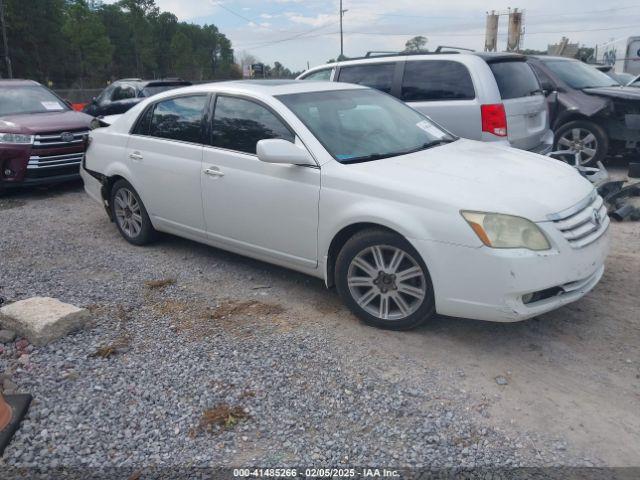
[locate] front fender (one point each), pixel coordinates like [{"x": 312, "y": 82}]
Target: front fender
[{"x": 412, "y": 222}]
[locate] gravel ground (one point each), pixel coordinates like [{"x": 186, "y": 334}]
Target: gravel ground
[{"x": 293, "y": 378}]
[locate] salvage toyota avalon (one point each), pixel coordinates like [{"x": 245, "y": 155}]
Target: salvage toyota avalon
[{"x": 350, "y": 185}]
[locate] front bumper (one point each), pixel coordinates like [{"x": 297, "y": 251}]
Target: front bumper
[
  {"x": 489, "y": 284},
  {"x": 32, "y": 182}
]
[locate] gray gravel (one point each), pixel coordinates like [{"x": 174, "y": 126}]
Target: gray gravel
[{"x": 311, "y": 396}]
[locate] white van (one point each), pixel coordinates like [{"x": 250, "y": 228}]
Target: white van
[
  {"x": 492, "y": 97},
  {"x": 623, "y": 54}
]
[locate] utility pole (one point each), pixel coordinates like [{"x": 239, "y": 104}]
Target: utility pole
[
  {"x": 342, "y": 12},
  {"x": 5, "y": 44}
]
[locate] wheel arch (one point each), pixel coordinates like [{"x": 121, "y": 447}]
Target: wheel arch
[
  {"x": 341, "y": 237},
  {"x": 109, "y": 180},
  {"x": 574, "y": 116}
]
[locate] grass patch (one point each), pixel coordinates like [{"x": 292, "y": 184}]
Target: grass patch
[{"x": 221, "y": 417}]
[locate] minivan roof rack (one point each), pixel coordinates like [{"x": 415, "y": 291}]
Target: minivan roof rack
[
  {"x": 440, "y": 47},
  {"x": 374, "y": 53},
  {"x": 437, "y": 51}
]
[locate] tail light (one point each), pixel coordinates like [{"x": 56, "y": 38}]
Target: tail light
[{"x": 494, "y": 119}]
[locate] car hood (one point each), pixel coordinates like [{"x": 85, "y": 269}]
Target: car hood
[
  {"x": 33, "y": 123},
  {"x": 471, "y": 175},
  {"x": 626, "y": 93}
]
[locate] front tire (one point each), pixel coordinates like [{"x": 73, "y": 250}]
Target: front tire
[
  {"x": 384, "y": 281},
  {"x": 130, "y": 215},
  {"x": 587, "y": 139}
]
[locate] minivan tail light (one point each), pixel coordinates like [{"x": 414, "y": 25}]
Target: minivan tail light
[{"x": 494, "y": 119}]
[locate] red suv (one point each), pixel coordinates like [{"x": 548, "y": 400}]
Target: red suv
[{"x": 42, "y": 140}]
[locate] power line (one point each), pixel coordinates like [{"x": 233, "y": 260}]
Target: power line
[
  {"x": 452, "y": 34},
  {"x": 537, "y": 15},
  {"x": 304, "y": 34},
  {"x": 233, "y": 12}
]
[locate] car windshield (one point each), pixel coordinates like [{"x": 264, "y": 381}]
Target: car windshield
[
  {"x": 29, "y": 99},
  {"x": 622, "y": 78},
  {"x": 360, "y": 125},
  {"x": 579, "y": 75}
]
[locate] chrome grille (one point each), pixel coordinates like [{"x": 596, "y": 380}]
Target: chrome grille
[
  {"x": 55, "y": 139},
  {"x": 583, "y": 223},
  {"x": 52, "y": 161}
]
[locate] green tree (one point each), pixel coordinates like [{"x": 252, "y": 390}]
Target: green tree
[
  {"x": 141, "y": 14},
  {"x": 415, "y": 44},
  {"x": 87, "y": 42},
  {"x": 181, "y": 55},
  {"x": 36, "y": 43}
]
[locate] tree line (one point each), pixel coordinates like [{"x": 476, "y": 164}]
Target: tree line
[{"x": 87, "y": 43}]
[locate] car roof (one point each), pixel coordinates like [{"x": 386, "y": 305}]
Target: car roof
[
  {"x": 444, "y": 55},
  {"x": 262, "y": 87},
  {"x": 542, "y": 58},
  {"x": 160, "y": 81},
  {"x": 12, "y": 82}
]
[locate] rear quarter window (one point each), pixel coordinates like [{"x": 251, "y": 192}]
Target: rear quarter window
[
  {"x": 514, "y": 79},
  {"x": 433, "y": 80},
  {"x": 320, "y": 75},
  {"x": 378, "y": 76}
]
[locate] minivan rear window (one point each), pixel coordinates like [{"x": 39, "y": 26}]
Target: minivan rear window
[
  {"x": 378, "y": 76},
  {"x": 432, "y": 80},
  {"x": 515, "y": 79}
]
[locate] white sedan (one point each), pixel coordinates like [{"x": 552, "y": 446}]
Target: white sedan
[{"x": 350, "y": 185}]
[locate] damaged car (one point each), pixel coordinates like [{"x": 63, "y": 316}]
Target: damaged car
[
  {"x": 592, "y": 115},
  {"x": 350, "y": 185}
]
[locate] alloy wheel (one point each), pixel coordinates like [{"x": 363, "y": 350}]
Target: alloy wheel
[
  {"x": 128, "y": 212},
  {"x": 386, "y": 282},
  {"x": 581, "y": 142}
]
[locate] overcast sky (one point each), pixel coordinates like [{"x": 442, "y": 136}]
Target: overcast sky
[{"x": 265, "y": 28}]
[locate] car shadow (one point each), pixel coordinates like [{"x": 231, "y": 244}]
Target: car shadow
[{"x": 26, "y": 193}]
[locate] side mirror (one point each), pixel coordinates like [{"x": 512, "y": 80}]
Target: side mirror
[{"x": 276, "y": 150}]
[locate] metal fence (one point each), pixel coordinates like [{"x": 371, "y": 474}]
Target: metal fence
[{"x": 78, "y": 95}]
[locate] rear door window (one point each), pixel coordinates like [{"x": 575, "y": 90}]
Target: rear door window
[
  {"x": 433, "y": 80},
  {"x": 239, "y": 124},
  {"x": 178, "y": 119},
  {"x": 514, "y": 79},
  {"x": 378, "y": 76},
  {"x": 123, "y": 92}
]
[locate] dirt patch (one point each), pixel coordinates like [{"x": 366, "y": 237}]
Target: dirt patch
[
  {"x": 159, "y": 284},
  {"x": 120, "y": 344},
  {"x": 251, "y": 308},
  {"x": 219, "y": 418},
  {"x": 239, "y": 317}
]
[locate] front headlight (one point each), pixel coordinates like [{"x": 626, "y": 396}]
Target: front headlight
[
  {"x": 506, "y": 231},
  {"x": 16, "y": 138}
]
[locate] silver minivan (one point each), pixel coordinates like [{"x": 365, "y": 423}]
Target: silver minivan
[{"x": 492, "y": 97}]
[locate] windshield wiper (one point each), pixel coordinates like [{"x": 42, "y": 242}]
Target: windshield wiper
[
  {"x": 425, "y": 146},
  {"x": 379, "y": 156}
]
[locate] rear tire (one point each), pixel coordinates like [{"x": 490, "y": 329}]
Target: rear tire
[
  {"x": 384, "y": 281},
  {"x": 130, "y": 215},
  {"x": 588, "y": 137}
]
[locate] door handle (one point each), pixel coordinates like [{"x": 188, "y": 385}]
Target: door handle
[
  {"x": 135, "y": 156},
  {"x": 213, "y": 172}
]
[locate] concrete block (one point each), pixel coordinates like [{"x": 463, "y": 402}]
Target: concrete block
[{"x": 42, "y": 319}]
